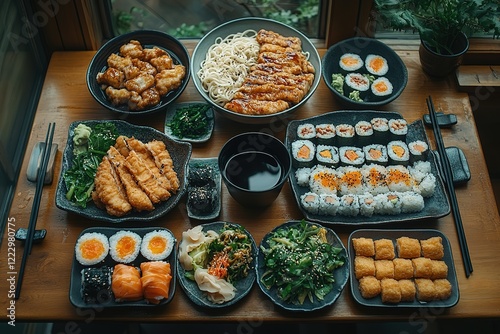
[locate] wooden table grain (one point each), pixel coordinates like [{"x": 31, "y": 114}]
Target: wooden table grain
[{"x": 65, "y": 98}]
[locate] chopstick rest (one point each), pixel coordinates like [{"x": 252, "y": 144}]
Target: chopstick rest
[
  {"x": 444, "y": 120},
  {"x": 36, "y": 160},
  {"x": 459, "y": 165},
  {"x": 22, "y": 234}
]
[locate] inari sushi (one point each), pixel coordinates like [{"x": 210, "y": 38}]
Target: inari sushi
[
  {"x": 124, "y": 246},
  {"x": 303, "y": 152},
  {"x": 155, "y": 280},
  {"x": 126, "y": 283},
  {"x": 376, "y": 65},
  {"x": 350, "y": 62},
  {"x": 91, "y": 248},
  {"x": 157, "y": 245}
]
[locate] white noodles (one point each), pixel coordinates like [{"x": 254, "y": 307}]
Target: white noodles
[{"x": 227, "y": 63}]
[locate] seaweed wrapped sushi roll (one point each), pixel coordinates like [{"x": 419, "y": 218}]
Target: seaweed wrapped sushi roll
[
  {"x": 303, "y": 152},
  {"x": 350, "y": 62},
  {"x": 376, "y": 65}
]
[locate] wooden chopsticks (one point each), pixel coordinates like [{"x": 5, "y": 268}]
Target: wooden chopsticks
[
  {"x": 445, "y": 163},
  {"x": 40, "y": 180}
]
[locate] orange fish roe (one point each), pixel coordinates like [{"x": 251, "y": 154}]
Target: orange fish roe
[
  {"x": 326, "y": 179},
  {"x": 398, "y": 176},
  {"x": 352, "y": 178}
]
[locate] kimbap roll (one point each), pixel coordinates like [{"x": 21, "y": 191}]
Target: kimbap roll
[
  {"x": 351, "y": 156},
  {"x": 350, "y": 62},
  {"x": 325, "y": 133},
  {"x": 303, "y": 152},
  {"x": 327, "y": 155},
  {"x": 306, "y": 131},
  {"x": 398, "y": 152},
  {"x": 381, "y": 87},
  {"x": 376, "y": 65}
]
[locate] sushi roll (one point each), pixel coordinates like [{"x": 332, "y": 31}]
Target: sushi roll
[
  {"x": 380, "y": 127},
  {"x": 427, "y": 186},
  {"x": 202, "y": 199},
  {"x": 349, "y": 205},
  {"x": 350, "y": 180},
  {"x": 418, "y": 150},
  {"x": 376, "y": 65},
  {"x": 366, "y": 204},
  {"x": 419, "y": 170},
  {"x": 157, "y": 245},
  {"x": 398, "y": 178},
  {"x": 91, "y": 248},
  {"x": 351, "y": 156},
  {"x": 345, "y": 135},
  {"x": 96, "y": 285},
  {"x": 412, "y": 202},
  {"x": 381, "y": 88},
  {"x": 323, "y": 180},
  {"x": 398, "y": 129},
  {"x": 398, "y": 152},
  {"x": 350, "y": 62},
  {"x": 325, "y": 134},
  {"x": 327, "y": 155},
  {"x": 303, "y": 152},
  {"x": 126, "y": 283},
  {"x": 310, "y": 202},
  {"x": 374, "y": 179},
  {"x": 356, "y": 82},
  {"x": 306, "y": 131},
  {"x": 376, "y": 153},
  {"x": 328, "y": 204},
  {"x": 124, "y": 246},
  {"x": 155, "y": 281},
  {"x": 302, "y": 175},
  {"x": 364, "y": 132}
]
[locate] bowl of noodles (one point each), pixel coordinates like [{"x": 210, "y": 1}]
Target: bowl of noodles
[{"x": 255, "y": 70}]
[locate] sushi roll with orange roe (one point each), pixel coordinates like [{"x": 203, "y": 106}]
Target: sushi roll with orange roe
[{"x": 91, "y": 248}]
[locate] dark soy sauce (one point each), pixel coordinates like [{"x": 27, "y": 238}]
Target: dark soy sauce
[{"x": 254, "y": 171}]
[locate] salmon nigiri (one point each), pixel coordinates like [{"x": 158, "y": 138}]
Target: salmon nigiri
[
  {"x": 126, "y": 283},
  {"x": 156, "y": 276}
]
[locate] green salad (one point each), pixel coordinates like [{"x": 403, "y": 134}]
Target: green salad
[{"x": 300, "y": 263}]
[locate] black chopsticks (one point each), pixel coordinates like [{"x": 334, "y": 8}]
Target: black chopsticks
[
  {"x": 445, "y": 164},
  {"x": 40, "y": 180}
]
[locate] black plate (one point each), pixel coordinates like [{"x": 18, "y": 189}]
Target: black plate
[
  {"x": 435, "y": 207},
  {"x": 75, "y": 279},
  {"x": 197, "y": 163},
  {"x": 341, "y": 274},
  {"x": 393, "y": 235},
  {"x": 169, "y": 115},
  {"x": 148, "y": 39},
  {"x": 243, "y": 286},
  {"x": 179, "y": 151}
]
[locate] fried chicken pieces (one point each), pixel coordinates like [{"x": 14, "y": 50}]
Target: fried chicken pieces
[
  {"x": 134, "y": 176},
  {"x": 280, "y": 79},
  {"x": 138, "y": 77}
]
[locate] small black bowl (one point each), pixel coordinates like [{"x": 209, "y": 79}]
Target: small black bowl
[
  {"x": 148, "y": 39},
  {"x": 254, "y": 167},
  {"x": 363, "y": 46}
]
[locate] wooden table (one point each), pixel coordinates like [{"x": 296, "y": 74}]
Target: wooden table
[{"x": 65, "y": 99}]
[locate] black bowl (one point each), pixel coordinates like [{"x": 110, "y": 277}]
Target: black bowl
[
  {"x": 362, "y": 46},
  {"x": 148, "y": 39},
  {"x": 254, "y": 144}
]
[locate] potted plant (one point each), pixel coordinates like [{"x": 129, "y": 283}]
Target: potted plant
[{"x": 443, "y": 26}]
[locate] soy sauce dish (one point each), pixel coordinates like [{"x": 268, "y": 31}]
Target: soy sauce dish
[{"x": 254, "y": 167}]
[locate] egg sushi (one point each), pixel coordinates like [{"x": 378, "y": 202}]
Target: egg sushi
[
  {"x": 157, "y": 245},
  {"x": 91, "y": 248},
  {"x": 124, "y": 246}
]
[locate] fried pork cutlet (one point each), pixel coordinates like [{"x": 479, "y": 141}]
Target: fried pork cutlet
[
  {"x": 135, "y": 195},
  {"x": 109, "y": 190},
  {"x": 164, "y": 162},
  {"x": 271, "y": 37},
  {"x": 145, "y": 178},
  {"x": 256, "y": 107}
]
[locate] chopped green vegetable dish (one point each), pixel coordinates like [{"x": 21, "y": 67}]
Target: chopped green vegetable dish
[
  {"x": 91, "y": 144},
  {"x": 300, "y": 263},
  {"x": 190, "y": 121}
]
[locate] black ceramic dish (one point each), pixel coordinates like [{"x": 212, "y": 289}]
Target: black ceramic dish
[
  {"x": 75, "y": 295},
  {"x": 199, "y": 164},
  {"x": 362, "y": 46},
  {"x": 172, "y": 109},
  {"x": 341, "y": 274},
  {"x": 238, "y": 26},
  {"x": 148, "y": 39},
  {"x": 254, "y": 142},
  {"x": 243, "y": 286},
  {"x": 393, "y": 235},
  {"x": 436, "y": 206},
  {"x": 179, "y": 151}
]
